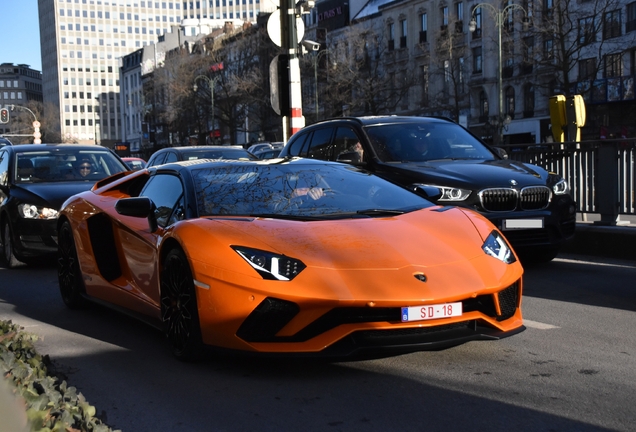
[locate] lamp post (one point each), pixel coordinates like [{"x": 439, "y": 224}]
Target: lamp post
[
  {"x": 500, "y": 15},
  {"x": 317, "y": 56},
  {"x": 211, "y": 82}
]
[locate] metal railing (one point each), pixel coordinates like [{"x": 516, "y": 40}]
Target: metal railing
[{"x": 601, "y": 174}]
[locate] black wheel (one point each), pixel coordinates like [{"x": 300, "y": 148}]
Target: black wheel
[
  {"x": 69, "y": 275},
  {"x": 7, "y": 251},
  {"x": 179, "y": 307}
]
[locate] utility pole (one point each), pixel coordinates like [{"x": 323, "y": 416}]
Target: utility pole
[{"x": 294, "y": 120}]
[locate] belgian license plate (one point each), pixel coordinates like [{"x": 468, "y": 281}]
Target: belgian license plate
[
  {"x": 420, "y": 313},
  {"x": 523, "y": 223}
]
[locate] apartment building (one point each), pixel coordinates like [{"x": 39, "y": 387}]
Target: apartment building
[
  {"x": 82, "y": 42},
  {"x": 19, "y": 84},
  {"x": 493, "y": 66}
]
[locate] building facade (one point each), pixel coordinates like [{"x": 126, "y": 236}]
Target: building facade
[
  {"x": 491, "y": 66},
  {"x": 82, "y": 42},
  {"x": 19, "y": 85}
]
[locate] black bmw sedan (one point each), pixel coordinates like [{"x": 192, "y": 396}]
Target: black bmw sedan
[
  {"x": 35, "y": 180},
  {"x": 443, "y": 160}
]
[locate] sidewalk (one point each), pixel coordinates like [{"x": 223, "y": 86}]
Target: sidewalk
[{"x": 601, "y": 240}]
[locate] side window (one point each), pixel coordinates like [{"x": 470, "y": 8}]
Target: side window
[
  {"x": 171, "y": 157},
  {"x": 4, "y": 168},
  {"x": 166, "y": 191},
  {"x": 157, "y": 159},
  {"x": 296, "y": 146},
  {"x": 347, "y": 146},
  {"x": 320, "y": 145}
]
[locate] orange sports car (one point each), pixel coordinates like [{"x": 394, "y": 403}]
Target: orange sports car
[{"x": 287, "y": 256}]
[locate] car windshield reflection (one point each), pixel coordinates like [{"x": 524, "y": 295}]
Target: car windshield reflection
[
  {"x": 413, "y": 142},
  {"x": 299, "y": 192}
]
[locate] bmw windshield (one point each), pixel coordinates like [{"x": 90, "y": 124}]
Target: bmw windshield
[{"x": 425, "y": 141}]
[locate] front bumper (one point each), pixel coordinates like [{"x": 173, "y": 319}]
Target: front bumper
[{"x": 33, "y": 238}]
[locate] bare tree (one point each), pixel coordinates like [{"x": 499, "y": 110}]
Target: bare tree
[
  {"x": 574, "y": 41},
  {"x": 22, "y": 122}
]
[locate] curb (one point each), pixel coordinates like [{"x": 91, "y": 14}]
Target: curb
[{"x": 602, "y": 240}]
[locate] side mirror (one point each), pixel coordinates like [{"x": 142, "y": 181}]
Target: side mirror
[
  {"x": 501, "y": 152},
  {"x": 140, "y": 207},
  {"x": 429, "y": 192}
]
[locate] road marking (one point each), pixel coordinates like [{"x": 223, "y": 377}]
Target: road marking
[
  {"x": 601, "y": 264},
  {"x": 538, "y": 325}
]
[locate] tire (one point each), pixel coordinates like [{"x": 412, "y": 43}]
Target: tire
[
  {"x": 179, "y": 307},
  {"x": 9, "y": 256},
  {"x": 69, "y": 275}
]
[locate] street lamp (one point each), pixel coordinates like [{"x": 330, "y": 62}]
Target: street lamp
[
  {"x": 211, "y": 82},
  {"x": 500, "y": 15},
  {"x": 316, "y": 56}
]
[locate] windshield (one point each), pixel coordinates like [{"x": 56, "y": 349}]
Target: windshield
[
  {"x": 63, "y": 165},
  {"x": 299, "y": 191},
  {"x": 425, "y": 141}
]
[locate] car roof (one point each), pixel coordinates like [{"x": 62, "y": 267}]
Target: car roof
[
  {"x": 40, "y": 147},
  {"x": 386, "y": 119},
  {"x": 211, "y": 163},
  {"x": 202, "y": 148}
]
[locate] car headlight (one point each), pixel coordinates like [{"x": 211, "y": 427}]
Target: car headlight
[
  {"x": 30, "y": 211},
  {"x": 270, "y": 265},
  {"x": 448, "y": 193},
  {"x": 497, "y": 247},
  {"x": 561, "y": 187}
]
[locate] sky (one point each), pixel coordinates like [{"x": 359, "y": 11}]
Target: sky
[{"x": 21, "y": 33}]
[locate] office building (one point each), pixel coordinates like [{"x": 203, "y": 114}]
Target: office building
[{"x": 82, "y": 42}]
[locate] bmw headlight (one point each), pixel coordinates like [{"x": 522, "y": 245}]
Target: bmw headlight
[
  {"x": 270, "y": 265},
  {"x": 451, "y": 194},
  {"x": 561, "y": 187},
  {"x": 497, "y": 247},
  {"x": 30, "y": 211}
]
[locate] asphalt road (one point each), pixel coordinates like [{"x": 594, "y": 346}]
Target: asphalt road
[{"x": 573, "y": 369}]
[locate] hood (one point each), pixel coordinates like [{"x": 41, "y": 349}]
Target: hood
[
  {"x": 427, "y": 236},
  {"x": 50, "y": 195},
  {"x": 475, "y": 174}
]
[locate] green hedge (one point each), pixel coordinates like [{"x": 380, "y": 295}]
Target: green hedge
[{"x": 49, "y": 404}]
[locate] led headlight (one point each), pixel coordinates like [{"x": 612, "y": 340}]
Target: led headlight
[
  {"x": 30, "y": 211},
  {"x": 497, "y": 247},
  {"x": 449, "y": 193},
  {"x": 270, "y": 265},
  {"x": 561, "y": 187}
]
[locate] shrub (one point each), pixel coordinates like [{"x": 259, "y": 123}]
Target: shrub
[{"x": 50, "y": 405}]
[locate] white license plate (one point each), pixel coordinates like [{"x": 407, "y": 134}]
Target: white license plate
[
  {"x": 420, "y": 313},
  {"x": 523, "y": 223}
]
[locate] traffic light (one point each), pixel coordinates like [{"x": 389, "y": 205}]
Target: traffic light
[{"x": 4, "y": 115}]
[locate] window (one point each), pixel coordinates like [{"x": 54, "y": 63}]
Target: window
[
  {"x": 423, "y": 27},
  {"x": 587, "y": 69},
  {"x": 548, "y": 8},
  {"x": 404, "y": 32},
  {"x": 391, "y": 35},
  {"x": 528, "y": 100},
  {"x": 483, "y": 106},
  {"x": 613, "y": 66},
  {"x": 510, "y": 102},
  {"x": 444, "y": 13},
  {"x": 586, "y": 31},
  {"x": 424, "y": 84},
  {"x": 459, "y": 16},
  {"x": 612, "y": 24},
  {"x": 548, "y": 49},
  {"x": 477, "y": 60},
  {"x": 477, "y": 21},
  {"x": 166, "y": 192},
  {"x": 630, "y": 24}
]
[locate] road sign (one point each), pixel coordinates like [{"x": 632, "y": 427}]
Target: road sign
[{"x": 274, "y": 30}]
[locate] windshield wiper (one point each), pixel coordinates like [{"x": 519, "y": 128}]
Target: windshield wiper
[
  {"x": 286, "y": 216},
  {"x": 380, "y": 212}
]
